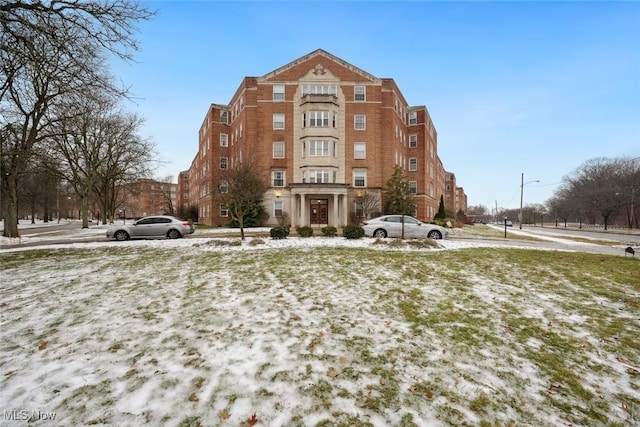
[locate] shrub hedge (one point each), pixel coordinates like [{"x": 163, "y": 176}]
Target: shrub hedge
[{"x": 353, "y": 231}]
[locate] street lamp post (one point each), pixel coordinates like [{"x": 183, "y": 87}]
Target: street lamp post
[{"x": 522, "y": 184}]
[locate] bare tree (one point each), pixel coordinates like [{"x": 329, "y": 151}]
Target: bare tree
[
  {"x": 628, "y": 190},
  {"x": 368, "y": 203},
  {"x": 127, "y": 157},
  {"x": 600, "y": 188},
  {"x": 101, "y": 148},
  {"x": 167, "y": 194},
  {"x": 50, "y": 50},
  {"x": 560, "y": 208},
  {"x": 241, "y": 188},
  {"x": 594, "y": 186},
  {"x": 477, "y": 210}
]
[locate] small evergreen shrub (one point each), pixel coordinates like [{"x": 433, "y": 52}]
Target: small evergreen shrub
[
  {"x": 279, "y": 232},
  {"x": 305, "y": 231},
  {"x": 329, "y": 231},
  {"x": 353, "y": 231}
]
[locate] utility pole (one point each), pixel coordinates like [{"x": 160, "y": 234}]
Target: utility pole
[
  {"x": 521, "y": 197},
  {"x": 522, "y": 184}
]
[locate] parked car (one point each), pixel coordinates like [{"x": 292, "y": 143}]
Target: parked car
[
  {"x": 391, "y": 226},
  {"x": 158, "y": 226}
]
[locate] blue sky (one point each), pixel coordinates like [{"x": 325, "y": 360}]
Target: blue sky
[{"x": 513, "y": 87}]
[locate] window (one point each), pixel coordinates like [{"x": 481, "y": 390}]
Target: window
[
  {"x": 413, "y": 187},
  {"x": 318, "y": 118},
  {"x": 413, "y": 141},
  {"x": 413, "y": 118},
  {"x": 277, "y": 178},
  {"x": 278, "y": 150},
  {"x": 359, "y": 178},
  {"x": 278, "y": 121},
  {"x": 318, "y": 148},
  {"x": 223, "y": 210},
  {"x": 224, "y": 140},
  {"x": 359, "y": 150},
  {"x": 413, "y": 163},
  {"x": 277, "y": 208},
  {"x": 359, "y": 93},
  {"x": 223, "y": 187},
  {"x": 318, "y": 176},
  {"x": 224, "y": 117},
  {"x": 359, "y": 122},
  {"x": 224, "y": 163},
  {"x": 278, "y": 92},
  {"x": 320, "y": 90}
]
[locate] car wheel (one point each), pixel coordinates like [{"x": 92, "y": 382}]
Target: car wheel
[
  {"x": 380, "y": 233},
  {"x": 435, "y": 234},
  {"x": 173, "y": 234},
  {"x": 121, "y": 235}
]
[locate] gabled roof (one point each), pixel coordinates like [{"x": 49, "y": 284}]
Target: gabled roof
[{"x": 319, "y": 53}]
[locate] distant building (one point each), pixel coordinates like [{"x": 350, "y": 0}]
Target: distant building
[
  {"x": 329, "y": 135},
  {"x": 183, "y": 199},
  {"x": 149, "y": 197},
  {"x": 455, "y": 199}
]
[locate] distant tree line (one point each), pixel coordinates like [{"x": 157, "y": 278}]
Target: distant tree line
[
  {"x": 62, "y": 126},
  {"x": 602, "y": 191}
]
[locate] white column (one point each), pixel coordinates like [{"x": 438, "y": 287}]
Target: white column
[
  {"x": 303, "y": 210},
  {"x": 293, "y": 210}
]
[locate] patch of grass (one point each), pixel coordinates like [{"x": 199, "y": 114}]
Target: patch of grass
[{"x": 474, "y": 336}]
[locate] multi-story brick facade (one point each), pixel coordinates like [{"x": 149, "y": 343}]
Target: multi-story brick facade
[
  {"x": 455, "y": 199},
  {"x": 328, "y": 133},
  {"x": 149, "y": 197},
  {"x": 183, "y": 200}
]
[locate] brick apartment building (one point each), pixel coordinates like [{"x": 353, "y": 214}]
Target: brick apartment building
[
  {"x": 329, "y": 134},
  {"x": 149, "y": 197},
  {"x": 455, "y": 199}
]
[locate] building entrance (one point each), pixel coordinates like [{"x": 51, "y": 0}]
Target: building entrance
[{"x": 319, "y": 211}]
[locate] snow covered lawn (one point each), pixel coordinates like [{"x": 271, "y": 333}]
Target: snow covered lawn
[{"x": 318, "y": 332}]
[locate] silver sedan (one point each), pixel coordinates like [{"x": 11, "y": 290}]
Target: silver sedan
[
  {"x": 159, "y": 226},
  {"x": 391, "y": 226}
]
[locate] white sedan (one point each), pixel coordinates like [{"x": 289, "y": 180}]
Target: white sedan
[
  {"x": 391, "y": 226},
  {"x": 158, "y": 226}
]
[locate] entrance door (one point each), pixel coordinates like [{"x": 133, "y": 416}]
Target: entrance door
[{"x": 319, "y": 211}]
